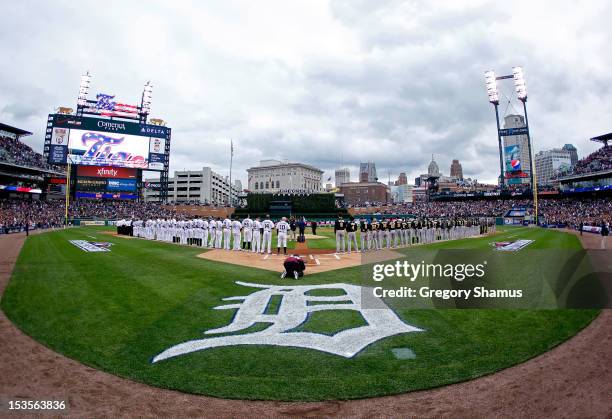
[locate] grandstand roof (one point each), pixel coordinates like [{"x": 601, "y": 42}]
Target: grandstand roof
[
  {"x": 17, "y": 131},
  {"x": 603, "y": 138}
]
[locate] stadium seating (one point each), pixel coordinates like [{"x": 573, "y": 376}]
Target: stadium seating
[{"x": 15, "y": 152}]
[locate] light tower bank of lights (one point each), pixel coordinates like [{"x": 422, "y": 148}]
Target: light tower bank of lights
[{"x": 521, "y": 91}]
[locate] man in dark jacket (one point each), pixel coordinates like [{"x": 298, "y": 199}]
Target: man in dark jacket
[
  {"x": 302, "y": 228},
  {"x": 294, "y": 267}
]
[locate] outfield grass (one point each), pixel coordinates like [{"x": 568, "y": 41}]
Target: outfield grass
[{"x": 115, "y": 311}]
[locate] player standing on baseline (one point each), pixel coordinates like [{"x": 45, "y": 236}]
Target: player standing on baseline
[
  {"x": 351, "y": 230},
  {"x": 218, "y": 233},
  {"x": 204, "y": 227},
  {"x": 212, "y": 232},
  {"x": 374, "y": 225},
  {"x": 256, "y": 240},
  {"x": 364, "y": 234},
  {"x": 282, "y": 228},
  {"x": 385, "y": 239},
  {"x": 247, "y": 233},
  {"x": 227, "y": 232},
  {"x": 236, "y": 227},
  {"x": 340, "y": 230},
  {"x": 268, "y": 225}
]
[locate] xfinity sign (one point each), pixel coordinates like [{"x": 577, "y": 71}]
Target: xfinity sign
[{"x": 107, "y": 172}]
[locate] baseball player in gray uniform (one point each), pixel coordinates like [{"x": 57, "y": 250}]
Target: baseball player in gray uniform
[{"x": 340, "y": 230}]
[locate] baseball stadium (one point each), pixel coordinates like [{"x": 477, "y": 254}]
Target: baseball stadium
[{"x": 129, "y": 291}]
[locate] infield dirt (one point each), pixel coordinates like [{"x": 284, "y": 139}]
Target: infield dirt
[{"x": 316, "y": 260}]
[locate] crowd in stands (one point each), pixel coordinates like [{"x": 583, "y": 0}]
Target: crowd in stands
[
  {"x": 572, "y": 212},
  {"x": 598, "y": 161},
  {"x": 14, "y": 151},
  {"x": 482, "y": 208},
  {"x": 15, "y": 213}
]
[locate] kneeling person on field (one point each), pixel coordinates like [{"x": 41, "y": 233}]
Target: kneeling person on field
[{"x": 294, "y": 267}]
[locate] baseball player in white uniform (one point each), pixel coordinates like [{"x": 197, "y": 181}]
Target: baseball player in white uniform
[
  {"x": 227, "y": 232},
  {"x": 247, "y": 233},
  {"x": 219, "y": 234},
  {"x": 212, "y": 232},
  {"x": 282, "y": 228},
  {"x": 236, "y": 227},
  {"x": 256, "y": 240},
  {"x": 268, "y": 225},
  {"x": 204, "y": 227}
]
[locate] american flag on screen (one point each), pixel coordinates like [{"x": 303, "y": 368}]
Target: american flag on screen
[{"x": 107, "y": 107}]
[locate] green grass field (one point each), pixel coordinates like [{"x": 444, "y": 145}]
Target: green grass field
[{"x": 115, "y": 311}]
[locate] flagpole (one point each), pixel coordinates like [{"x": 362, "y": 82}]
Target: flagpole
[
  {"x": 67, "y": 201},
  {"x": 230, "y": 174}
]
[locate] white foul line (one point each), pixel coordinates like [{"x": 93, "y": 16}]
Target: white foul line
[
  {"x": 337, "y": 257},
  {"x": 266, "y": 257}
]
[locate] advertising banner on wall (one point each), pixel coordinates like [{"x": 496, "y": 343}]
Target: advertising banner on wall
[
  {"x": 157, "y": 153},
  {"x": 106, "y": 172},
  {"x": 107, "y": 125},
  {"x": 512, "y": 155},
  {"x": 121, "y": 185},
  {"x": 58, "y": 151}
]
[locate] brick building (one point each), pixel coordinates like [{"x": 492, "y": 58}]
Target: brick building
[{"x": 359, "y": 193}]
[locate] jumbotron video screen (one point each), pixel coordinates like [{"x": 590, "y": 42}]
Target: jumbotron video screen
[{"x": 98, "y": 142}]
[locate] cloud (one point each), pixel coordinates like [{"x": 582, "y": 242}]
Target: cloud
[{"x": 329, "y": 83}]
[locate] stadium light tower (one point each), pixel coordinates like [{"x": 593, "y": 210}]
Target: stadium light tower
[
  {"x": 521, "y": 92},
  {"x": 491, "y": 84},
  {"x": 83, "y": 92},
  {"x": 145, "y": 103}
]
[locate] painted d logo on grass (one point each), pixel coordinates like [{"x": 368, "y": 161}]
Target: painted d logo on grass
[{"x": 293, "y": 311}]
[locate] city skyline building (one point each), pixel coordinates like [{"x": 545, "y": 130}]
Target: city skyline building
[
  {"x": 274, "y": 176},
  {"x": 341, "y": 176},
  {"x": 456, "y": 170},
  {"x": 367, "y": 172}
]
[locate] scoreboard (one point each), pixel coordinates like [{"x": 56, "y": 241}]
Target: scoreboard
[{"x": 86, "y": 141}]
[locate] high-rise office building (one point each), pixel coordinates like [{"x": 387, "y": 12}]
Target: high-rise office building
[
  {"x": 573, "y": 153},
  {"x": 401, "y": 179},
  {"x": 456, "y": 170},
  {"x": 342, "y": 176},
  {"x": 367, "y": 169},
  {"x": 550, "y": 163}
]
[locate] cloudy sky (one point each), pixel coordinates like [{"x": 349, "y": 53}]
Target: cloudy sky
[{"x": 328, "y": 83}]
